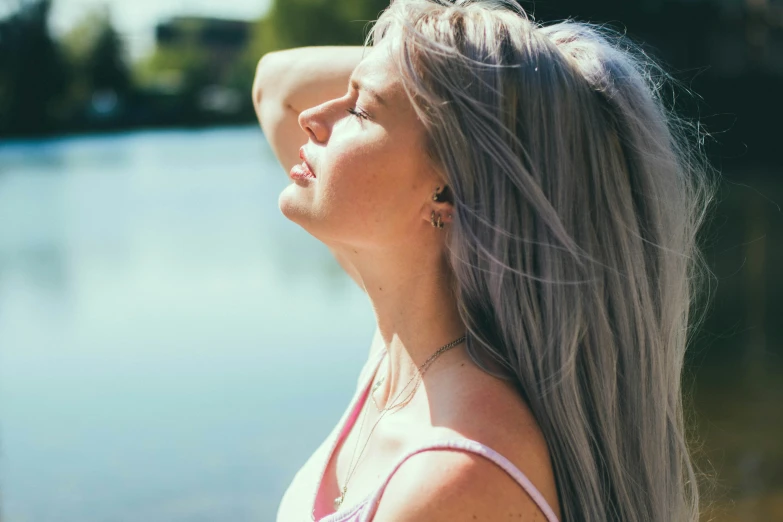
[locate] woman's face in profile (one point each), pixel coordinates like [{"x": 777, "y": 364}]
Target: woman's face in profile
[{"x": 373, "y": 179}]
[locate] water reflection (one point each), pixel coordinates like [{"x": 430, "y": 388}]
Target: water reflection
[{"x": 157, "y": 362}]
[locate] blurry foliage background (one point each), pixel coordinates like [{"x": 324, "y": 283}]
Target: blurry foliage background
[
  {"x": 84, "y": 81},
  {"x": 729, "y": 52}
]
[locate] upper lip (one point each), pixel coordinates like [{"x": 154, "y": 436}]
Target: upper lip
[{"x": 303, "y": 157}]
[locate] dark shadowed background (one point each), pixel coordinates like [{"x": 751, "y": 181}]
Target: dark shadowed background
[{"x": 172, "y": 349}]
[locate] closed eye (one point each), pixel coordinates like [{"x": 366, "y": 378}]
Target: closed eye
[{"x": 359, "y": 113}]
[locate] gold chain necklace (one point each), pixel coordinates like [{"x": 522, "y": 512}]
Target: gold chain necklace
[{"x": 423, "y": 368}]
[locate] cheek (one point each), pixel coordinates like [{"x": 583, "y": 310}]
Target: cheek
[
  {"x": 344, "y": 201},
  {"x": 369, "y": 189},
  {"x": 358, "y": 180},
  {"x": 380, "y": 181}
]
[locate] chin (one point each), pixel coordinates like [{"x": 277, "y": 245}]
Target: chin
[{"x": 295, "y": 204}]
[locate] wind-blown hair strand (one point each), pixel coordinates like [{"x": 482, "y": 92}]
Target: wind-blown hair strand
[{"x": 577, "y": 200}]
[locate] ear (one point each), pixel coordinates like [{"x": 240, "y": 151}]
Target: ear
[{"x": 440, "y": 206}]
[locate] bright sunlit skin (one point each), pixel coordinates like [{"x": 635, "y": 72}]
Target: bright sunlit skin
[
  {"x": 370, "y": 202},
  {"x": 372, "y": 193}
]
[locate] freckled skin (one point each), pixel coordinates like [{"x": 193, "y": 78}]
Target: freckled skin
[{"x": 373, "y": 175}]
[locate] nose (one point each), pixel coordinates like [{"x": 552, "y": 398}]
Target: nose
[{"x": 314, "y": 123}]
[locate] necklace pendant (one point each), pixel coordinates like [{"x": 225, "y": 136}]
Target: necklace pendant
[{"x": 339, "y": 500}]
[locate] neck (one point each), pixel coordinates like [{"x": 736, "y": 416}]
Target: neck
[{"x": 416, "y": 314}]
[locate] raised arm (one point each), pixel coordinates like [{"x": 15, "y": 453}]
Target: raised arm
[{"x": 288, "y": 82}]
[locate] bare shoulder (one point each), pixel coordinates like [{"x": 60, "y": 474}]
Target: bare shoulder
[
  {"x": 454, "y": 486},
  {"x": 458, "y": 485}
]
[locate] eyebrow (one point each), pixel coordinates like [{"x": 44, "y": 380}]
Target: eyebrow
[{"x": 360, "y": 87}]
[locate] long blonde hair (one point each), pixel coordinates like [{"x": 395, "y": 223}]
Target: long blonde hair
[{"x": 577, "y": 199}]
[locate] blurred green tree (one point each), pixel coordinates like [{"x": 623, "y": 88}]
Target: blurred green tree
[
  {"x": 34, "y": 74},
  {"x": 181, "y": 71},
  {"x": 297, "y": 23},
  {"x": 97, "y": 57},
  {"x": 105, "y": 66}
]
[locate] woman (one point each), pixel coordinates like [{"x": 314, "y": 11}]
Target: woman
[{"x": 521, "y": 210}]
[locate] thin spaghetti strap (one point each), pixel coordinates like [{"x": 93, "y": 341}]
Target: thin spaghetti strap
[{"x": 472, "y": 446}]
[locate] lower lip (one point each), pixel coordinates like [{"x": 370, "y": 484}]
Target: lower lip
[{"x": 301, "y": 171}]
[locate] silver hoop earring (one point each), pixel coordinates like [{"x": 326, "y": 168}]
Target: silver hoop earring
[{"x": 437, "y": 224}]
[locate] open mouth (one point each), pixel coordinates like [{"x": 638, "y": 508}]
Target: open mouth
[{"x": 303, "y": 170}]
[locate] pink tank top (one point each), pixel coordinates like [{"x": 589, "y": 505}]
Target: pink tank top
[{"x": 364, "y": 510}]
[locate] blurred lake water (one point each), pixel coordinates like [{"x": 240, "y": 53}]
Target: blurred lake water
[{"x": 172, "y": 348}]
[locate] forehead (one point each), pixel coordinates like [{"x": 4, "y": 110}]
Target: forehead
[
  {"x": 378, "y": 72},
  {"x": 377, "y": 60}
]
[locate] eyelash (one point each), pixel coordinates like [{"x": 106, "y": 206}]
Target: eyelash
[{"x": 358, "y": 113}]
